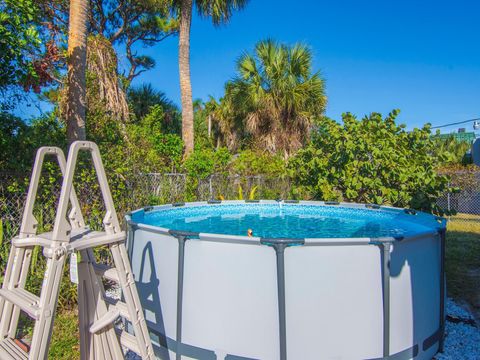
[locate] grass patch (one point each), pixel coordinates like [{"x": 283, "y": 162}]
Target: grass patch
[
  {"x": 463, "y": 261},
  {"x": 65, "y": 343},
  {"x": 465, "y": 223}
]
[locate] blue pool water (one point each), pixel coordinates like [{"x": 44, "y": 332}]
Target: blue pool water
[{"x": 290, "y": 220}]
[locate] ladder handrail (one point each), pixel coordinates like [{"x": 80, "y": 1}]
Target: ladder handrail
[
  {"x": 29, "y": 222},
  {"x": 110, "y": 221}
]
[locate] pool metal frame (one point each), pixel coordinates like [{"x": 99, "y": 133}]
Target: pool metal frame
[{"x": 279, "y": 245}]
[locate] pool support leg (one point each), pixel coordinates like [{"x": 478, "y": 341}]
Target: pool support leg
[
  {"x": 442, "y": 233},
  {"x": 181, "y": 265},
  {"x": 280, "y": 252},
  {"x": 386, "y": 297},
  {"x": 279, "y": 245},
  {"x": 131, "y": 227},
  {"x": 182, "y": 237}
]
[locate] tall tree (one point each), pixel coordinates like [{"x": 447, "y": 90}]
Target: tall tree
[
  {"x": 220, "y": 11},
  {"x": 123, "y": 24},
  {"x": 104, "y": 91},
  {"x": 77, "y": 64},
  {"x": 184, "y": 70},
  {"x": 127, "y": 24},
  {"x": 275, "y": 97}
]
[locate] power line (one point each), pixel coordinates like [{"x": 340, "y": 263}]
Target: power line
[{"x": 456, "y": 123}]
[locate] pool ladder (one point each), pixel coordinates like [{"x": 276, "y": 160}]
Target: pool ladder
[{"x": 99, "y": 316}]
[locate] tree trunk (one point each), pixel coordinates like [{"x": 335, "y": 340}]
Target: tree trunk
[
  {"x": 209, "y": 126},
  {"x": 184, "y": 69},
  {"x": 77, "y": 61}
]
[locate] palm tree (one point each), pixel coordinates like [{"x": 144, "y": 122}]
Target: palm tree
[
  {"x": 222, "y": 125},
  {"x": 275, "y": 96},
  {"x": 77, "y": 63},
  {"x": 146, "y": 101},
  {"x": 141, "y": 99},
  {"x": 220, "y": 11}
]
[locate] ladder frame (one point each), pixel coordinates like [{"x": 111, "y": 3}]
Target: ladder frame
[
  {"x": 20, "y": 257},
  {"x": 98, "y": 334}
]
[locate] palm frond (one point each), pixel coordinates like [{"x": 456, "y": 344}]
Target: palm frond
[
  {"x": 275, "y": 97},
  {"x": 219, "y": 10}
]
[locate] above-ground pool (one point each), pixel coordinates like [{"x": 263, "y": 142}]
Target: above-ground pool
[{"x": 316, "y": 280}]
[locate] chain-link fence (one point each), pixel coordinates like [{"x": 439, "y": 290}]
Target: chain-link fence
[
  {"x": 463, "y": 200},
  {"x": 172, "y": 187},
  {"x": 135, "y": 192},
  {"x": 159, "y": 188},
  {"x": 13, "y": 193}
]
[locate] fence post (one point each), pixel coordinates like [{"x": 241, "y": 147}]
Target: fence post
[{"x": 448, "y": 197}]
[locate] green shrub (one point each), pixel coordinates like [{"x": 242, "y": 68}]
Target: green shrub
[
  {"x": 151, "y": 148},
  {"x": 372, "y": 160},
  {"x": 203, "y": 163},
  {"x": 249, "y": 163}
]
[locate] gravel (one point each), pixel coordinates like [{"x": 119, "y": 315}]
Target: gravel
[
  {"x": 462, "y": 335},
  {"x": 113, "y": 292},
  {"x": 462, "y": 340}
]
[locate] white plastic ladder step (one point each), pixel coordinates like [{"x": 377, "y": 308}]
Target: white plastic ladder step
[
  {"x": 45, "y": 239},
  {"x": 80, "y": 239},
  {"x": 127, "y": 340},
  {"x": 25, "y": 300},
  {"x": 106, "y": 320},
  {"x": 9, "y": 350},
  {"x": 89, "y": 239}
]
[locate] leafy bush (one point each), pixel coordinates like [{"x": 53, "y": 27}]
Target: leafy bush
[
  {"x": 250, "y": 163},
  {"x": 372, "y": 160},
  {"x": 20, "y": 40},
  {"x": 143, "y": 100},
  {"x": 167, "y": 121},
  {"x": 19, "y": 140},
  {"x": 203, "y": 163},
  {"x": 12, "y": 142},
  {"x": 454, "y": 151}
]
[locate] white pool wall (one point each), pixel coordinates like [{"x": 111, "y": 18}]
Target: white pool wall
[{"x": 333, "y": 296}]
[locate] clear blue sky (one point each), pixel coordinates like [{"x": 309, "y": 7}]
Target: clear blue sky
[{"x": 422, "y": 56}]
